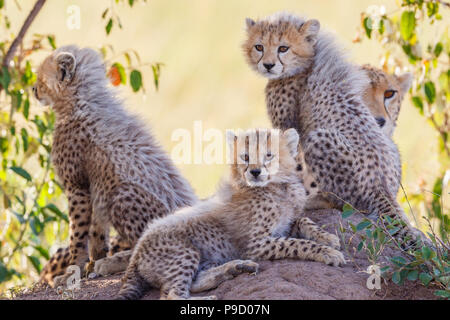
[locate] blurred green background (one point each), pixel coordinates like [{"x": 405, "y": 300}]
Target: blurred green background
[{"x": 205, "y": 77}]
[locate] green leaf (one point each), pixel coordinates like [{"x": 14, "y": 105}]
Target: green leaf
[
  {"x": 109, "y": 26},
  {"x": 3, "y": 272},
  {"x": 413, "y": 275},
  {"x": 442, "y": 293},
  {"x": 425, "y": 278},
  {"x": 35, "y": 262},
  {"x": 26, "y": 108},
  {"x": 400, "y": 261},
  {"x": 362, "y": 225},
  {"x": 136, "y": 80},
  {"x": 5, "y": 78},
  {"x": 438, "y": 49},
  {"x": 417, "y": 101},
  {"x": 367, "y": 24},
  {"x": 381, "y": 26},
  {"x": 21, "y": 172},
  {"x": 432, "y": 8},
  {"x": 43, "y": 252},
  {"x": 396, "y": 277},
  {"x": 407, "y": 25},
  {"x": 25, "y": 139},
  {"x": 56, "y": 211},
  {"x": 131, "y": 2},
  {"x": 347, "y": 211},
  {"x": 427, "y": 253},
  {"x": 360, "y": 246},
  {"x": 51, "y": 41},
  {"x": 430, "y": 91}
]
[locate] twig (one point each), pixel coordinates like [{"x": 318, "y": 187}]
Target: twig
[{"x": 18, "y": 40}]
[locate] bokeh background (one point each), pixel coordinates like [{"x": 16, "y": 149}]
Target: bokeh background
[{"x": 204, "y": 75}]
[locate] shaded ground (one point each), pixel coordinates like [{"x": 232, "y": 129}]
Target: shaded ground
[{"x": 283, "y": 279}]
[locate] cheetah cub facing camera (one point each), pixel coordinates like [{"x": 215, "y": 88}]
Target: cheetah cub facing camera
[
  {"x": 114, "y": 173},
  {"x": 313, "y": 88},
  {"x": 252, "y": 217}
]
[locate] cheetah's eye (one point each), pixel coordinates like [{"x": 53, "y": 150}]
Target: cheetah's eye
[
  {"x": 388, "y": 94},
  {"x": 259, "y": 47},
  {"x": 269, "y": 156},
  {"x": 283, "y": 49},
  {"x": 245, "y": 157}
]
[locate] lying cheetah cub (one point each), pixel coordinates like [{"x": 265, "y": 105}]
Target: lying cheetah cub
[
  {"x": 113, "y": 170},
  {"x": 251, "y": 218}
]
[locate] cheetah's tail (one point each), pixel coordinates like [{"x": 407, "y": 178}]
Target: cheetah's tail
[{"x": 134, "y": 285}]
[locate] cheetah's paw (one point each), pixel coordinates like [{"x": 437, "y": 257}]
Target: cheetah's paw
[
  {"x": 331, "y": 257},
  {"x": 237, "y": 267}
]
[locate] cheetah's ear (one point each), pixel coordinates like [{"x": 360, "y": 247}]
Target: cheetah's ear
[
  {"x": 249, "y": 23},
  {"x": 405, "y": 81},
  {"x": 66, "y": 66},
  {"x": 310, "y": 30},
  {"x": 292, "y": 138}
]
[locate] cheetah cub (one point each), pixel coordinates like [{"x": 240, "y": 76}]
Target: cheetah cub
[
  {"x": 312, "y": 87},
  {"x": 250, "y": 218},
  {"x": 114, "y": 173},
  {"x": 383, "y": 97}
]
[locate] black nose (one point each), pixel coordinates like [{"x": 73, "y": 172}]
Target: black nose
[
  {"x": 381, "y": 121},
  {"x": 268, "y": 66},
  {"x": 255, "y": 172}
]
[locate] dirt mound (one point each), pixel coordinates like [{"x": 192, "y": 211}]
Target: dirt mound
[{"x": 282, "y": 279}]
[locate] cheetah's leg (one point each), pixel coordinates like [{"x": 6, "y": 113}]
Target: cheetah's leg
[
  {"x": 98, "y": 242},
  {"x": 56, "y": 266},
  {"x": 306, "y": 228},
  {"x": 80, "y": 211},
  {"x": 212, "y": 278},
  {"x": 113, "y": 264},
  {"x": 270, "y": 248}
]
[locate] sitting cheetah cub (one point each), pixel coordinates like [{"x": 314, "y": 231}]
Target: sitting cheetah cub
[
  {"x": 383, "y": 97},
  {"x": 250, "y": 218},
  {"x": 113, "y": 171},
  {"x": 313, "y": 88}
]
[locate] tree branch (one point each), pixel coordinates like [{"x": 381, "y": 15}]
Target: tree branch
[{"x": 18, "y": 40}]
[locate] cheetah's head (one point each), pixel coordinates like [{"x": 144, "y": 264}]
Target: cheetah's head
[
  {"x": 66, "y": 69},
  {"x": 281, "y": 45},
  {"x": 262, "y": 156},
  {"x": 384, "y": 96}
]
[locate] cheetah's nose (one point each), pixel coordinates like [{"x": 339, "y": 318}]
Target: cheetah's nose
[
  {"x": 268, "y": 66},
  {"x": 255, "y": 172},
  {"x": 381, "y": 121}
]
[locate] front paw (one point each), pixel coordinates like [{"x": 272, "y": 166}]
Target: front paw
[
  {"x": 332, "y": 241},
  {"x": 330, "y": 256}
]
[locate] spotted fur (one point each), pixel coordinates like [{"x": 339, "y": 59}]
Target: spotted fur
[
  {"x": 250, "y": 218},
  {"x": 113, "y": 171},
  {"x": 346, "y": 156}
]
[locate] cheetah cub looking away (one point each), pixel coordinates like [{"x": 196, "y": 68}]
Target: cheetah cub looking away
[
  {"x": 114, "y": 173},
  {"x": 383, "y": 97},
  {"x": 313, "y": 88},
  {"x": 251, "y": 217}
]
